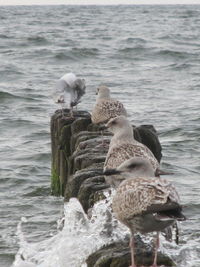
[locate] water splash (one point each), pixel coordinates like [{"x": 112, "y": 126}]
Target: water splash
[{"x": 78, "y": 236}]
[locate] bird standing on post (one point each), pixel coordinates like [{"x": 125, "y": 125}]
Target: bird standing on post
[
  {"x": 106, "y": 108},
  {"x": 69, "y": 84},
  {"x": 143, "y": 202},
  {"x": 123, "y": 146}
]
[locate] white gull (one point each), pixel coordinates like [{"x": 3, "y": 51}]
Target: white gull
[{"x": 69, "y": 84}]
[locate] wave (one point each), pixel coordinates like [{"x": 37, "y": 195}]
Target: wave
[
  {"x": 179, "y": 66},
  {"x": 10, "y": 70},
  {"x": 38, "y": 40},
  {"x": 85, "y": 52},
  {"x": 67, "y": 23},
  {"x": 76, "y": 53},
  {"x": 189, "y": 14},
  {"x": 6, "y": 95},
  {"x": 38, "y": 192},
  {"x": 9, "y": 96},
  {"x": 181, "y": 40},
  {"x": 174, "y": 54},
  {"x": 78, "y": 233},
  {"x": 129, "y": 53},
  {"x": 135, "y": 40},
  {"x": 11, "y": 73},
  {"x": 4, "y": 36},
  {"x": 172, "y": 131},
  {"x": 64, "y": 56}
]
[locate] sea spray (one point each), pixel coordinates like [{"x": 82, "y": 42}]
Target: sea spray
[{"x": 80, "y": 236}]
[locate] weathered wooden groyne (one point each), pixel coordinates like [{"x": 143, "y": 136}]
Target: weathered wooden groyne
[{"x": 77, "y": 164}]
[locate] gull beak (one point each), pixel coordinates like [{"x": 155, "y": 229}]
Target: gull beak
[
  {"x": 111, "y": 172},
  {"x": 159, "y": 172}
]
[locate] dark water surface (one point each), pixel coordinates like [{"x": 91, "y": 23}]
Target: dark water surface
[{"x": 150, "y": 58}]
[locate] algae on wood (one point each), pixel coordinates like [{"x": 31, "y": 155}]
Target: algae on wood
[{"x": 61, "y": 132}]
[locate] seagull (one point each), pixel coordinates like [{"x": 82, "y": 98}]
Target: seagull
[
  {"x": 143, "y": 202},
  {"x": 123, "y": 146},
  {"x": 69, "y": 84},
  {"x": 106, "y": 107}
]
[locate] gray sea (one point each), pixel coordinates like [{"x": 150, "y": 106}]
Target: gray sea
[{"x": 149, "y": 56}]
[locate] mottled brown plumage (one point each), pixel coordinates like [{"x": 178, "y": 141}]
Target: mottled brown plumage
[
  {"x": 143, "y": 202},
  {"x": 106, "y": 107},
  {"x": 119, "y": 153},
  {"x": 142, "y": 196},
  {"x": 123, "y": 146}
]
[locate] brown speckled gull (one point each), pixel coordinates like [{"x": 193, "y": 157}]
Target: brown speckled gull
[
  {"x": 143, "y": 202},
  {"x": 106, "y": 107},
  {"x": 123, "y": 146}
]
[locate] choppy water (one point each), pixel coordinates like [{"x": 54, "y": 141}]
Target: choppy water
[{"x": 150, "y": 58}]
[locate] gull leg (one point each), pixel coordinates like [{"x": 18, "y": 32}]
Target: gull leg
[
  {"x": 156, "y": 250},
  {"x": 132, "y": 245},
  {"x": 177, "y": 232}
]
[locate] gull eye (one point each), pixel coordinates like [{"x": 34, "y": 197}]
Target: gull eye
[
  {"x": 132, "y": 166},
  {"x": 135, "y": 165}
]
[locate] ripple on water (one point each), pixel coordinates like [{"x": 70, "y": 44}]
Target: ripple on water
[
  {"x": 37, "y": 40},
  {"x": 5, "y": 96},
  {"x": 174, "y": 54}
]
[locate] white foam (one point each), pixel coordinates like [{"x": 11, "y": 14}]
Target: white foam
[
  {"x": 79, "y": 235},
  {"x": 72, "y": 245}
]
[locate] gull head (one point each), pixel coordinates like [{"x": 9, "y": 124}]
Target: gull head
[
  {"x": 78, "y": 87},
  {"x": 118, "y": 123},
  {"x": 134, "y": 167},
  {"x": 103, "y": 91}
]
